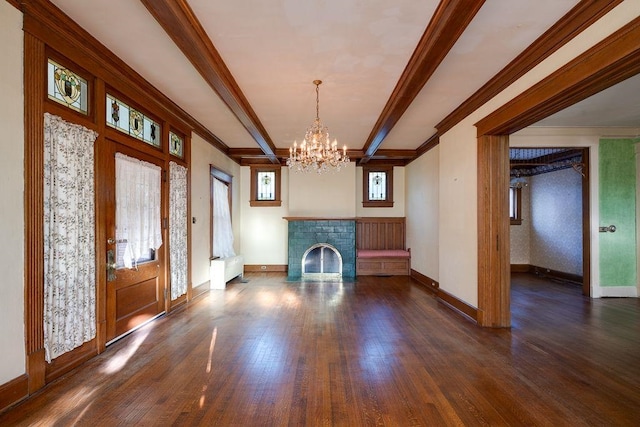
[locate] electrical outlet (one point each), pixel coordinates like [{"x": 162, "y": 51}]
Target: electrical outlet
[{"x": 263, "y": 267}]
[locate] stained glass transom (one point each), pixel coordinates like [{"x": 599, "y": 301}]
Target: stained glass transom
[
  {"x": 266, "y": 186},
  {"x": 377, "y": 186},
  {"x": 66, "y": 87},
  {"x": 176, "y": 145},
  {"x": 122, "y": 117}
]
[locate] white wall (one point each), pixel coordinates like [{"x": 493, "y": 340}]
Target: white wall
[
  {"x": 330, "y": 195},
  {"x": 203, "y": 155},
  {"x": 11, "y": 193},
  {"x": 398, "y": 208},
  {"x": 264, "y": 230},
  {"x": 422, "y": 206}
]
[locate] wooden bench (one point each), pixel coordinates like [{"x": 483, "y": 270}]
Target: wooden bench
[{"x": 381, "y": 247}]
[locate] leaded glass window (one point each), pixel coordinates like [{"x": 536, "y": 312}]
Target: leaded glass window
[
  {"x": 176, "y": 145},
  {"x": 128, "y": 120},
  {"x": 266, "y": 185},
  {"x": 377, "y": 186},
  {"x": 67, "y": 88}
]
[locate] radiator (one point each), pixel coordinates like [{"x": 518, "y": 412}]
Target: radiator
[{"x": 222, "y": 270}]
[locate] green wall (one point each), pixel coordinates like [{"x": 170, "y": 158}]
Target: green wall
[{"x": 617, "y": 195}]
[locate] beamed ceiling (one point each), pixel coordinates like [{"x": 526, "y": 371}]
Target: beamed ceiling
[{"x": 396, "y": 73}]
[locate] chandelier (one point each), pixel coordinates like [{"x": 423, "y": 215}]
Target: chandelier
[{"x": 317, "y": 152}]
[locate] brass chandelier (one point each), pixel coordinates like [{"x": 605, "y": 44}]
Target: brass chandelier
[{"x": 317, "y": 152}]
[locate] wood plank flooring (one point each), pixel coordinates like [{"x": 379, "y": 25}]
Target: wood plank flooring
[{"x": 380, "y": 351}]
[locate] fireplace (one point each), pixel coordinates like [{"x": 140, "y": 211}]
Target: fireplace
[
  {"x": 333, "y": 240},
  {"x": 322, "y": 261}
]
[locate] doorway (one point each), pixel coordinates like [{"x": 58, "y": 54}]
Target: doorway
[{"x": 134, "y": 244}]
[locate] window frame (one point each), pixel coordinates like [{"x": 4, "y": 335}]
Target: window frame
[
  {"x": 515, "y": 215},
  {"x": 388, "y": 201},
  {"x": 253, "y": 199}
]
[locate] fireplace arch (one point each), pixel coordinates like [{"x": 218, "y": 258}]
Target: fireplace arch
[{"x": 322, "y": 261}]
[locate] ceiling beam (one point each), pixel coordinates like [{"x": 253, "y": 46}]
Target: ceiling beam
[
  {"x": 181, "y": 24},
  {"x": 449, "y": 21}
]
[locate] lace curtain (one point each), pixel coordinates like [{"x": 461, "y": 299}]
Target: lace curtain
[
  {"x": 222, "y": 233},
  {"x": 69, "y": 237},
  {"x": 178, "y": 229},
  {"x": 138, "y": 222}
]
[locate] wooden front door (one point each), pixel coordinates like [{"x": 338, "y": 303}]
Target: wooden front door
[{"x": 135, "y": 294}]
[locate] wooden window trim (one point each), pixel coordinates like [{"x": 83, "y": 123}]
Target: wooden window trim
[
  {"x": 253, "y": 200},
  {"x": 366, "y": 203},
  {"x": 517, "y": 220}
]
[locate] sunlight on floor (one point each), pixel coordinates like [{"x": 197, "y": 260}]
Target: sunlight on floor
[{"x": 120, "y": 359}]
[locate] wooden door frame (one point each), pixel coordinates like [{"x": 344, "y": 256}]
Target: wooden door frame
[{"x": 609, "y": 62}]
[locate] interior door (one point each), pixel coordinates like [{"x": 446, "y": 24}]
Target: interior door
[{"x": 135, "y": 294}]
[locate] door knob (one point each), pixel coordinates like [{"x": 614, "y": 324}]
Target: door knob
[{"x": 610, "y": 229}]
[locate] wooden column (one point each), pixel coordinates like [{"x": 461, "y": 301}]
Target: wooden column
[
  {"x": 493, "y": 231},
  {"x": 34, "y": 81}
]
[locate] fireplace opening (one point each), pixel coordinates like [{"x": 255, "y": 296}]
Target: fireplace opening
[{"x": 322, "y": 261}]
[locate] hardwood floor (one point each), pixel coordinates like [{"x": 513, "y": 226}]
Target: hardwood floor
[{"x": 379, "y": 351}]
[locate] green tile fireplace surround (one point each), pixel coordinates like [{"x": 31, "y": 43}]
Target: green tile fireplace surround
[{"x": 306, "y": 232}]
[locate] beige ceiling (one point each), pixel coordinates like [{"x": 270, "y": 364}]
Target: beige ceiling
[{"x": 274, "y": 49}]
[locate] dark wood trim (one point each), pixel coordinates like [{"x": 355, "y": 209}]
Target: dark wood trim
[
  {"x": 520, "y": 268},
  {"x": 425, "y": 281},
  {"x": 570, "y": 25},
  {"x": 253, "y": 196},
  {"x": 449, "y": 21},
  {"x": 181, "y": 24},
  {"x": 586, "y": 222},
  {"x": 201, "y": 289},
  {"x": 34, "y": 90},
  {"x": 46, "y": 22},
  {"x": 548, "y": 272},
  {"x": 458, "y": 305},
  {"x": 609, "y": 62},
  {"x": 493, "y": 232},
  {"x": 317, "y": 218},
  {"x": 517, "y": 220},
  {"x": 14, "y": 391},
  {"x": 430, "y": 143},
  {"x": 269, "y": 268},
  {"x": 68, "y": 361}
]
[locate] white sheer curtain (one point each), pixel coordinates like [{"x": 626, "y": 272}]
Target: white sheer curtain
[
  {"x": 178, "y": 229},
  {"x": 138, "y": 221},
  {"x": 69, "y": 237},
  {"x": 222, "y": 233}
]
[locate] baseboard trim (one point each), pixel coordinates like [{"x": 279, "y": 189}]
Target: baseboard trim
[
  {"x": 520, "y": 268},
  {"x": 14, "y": 391},
  {"x": 619, "y": 291},
  {"x": 547, "y": 272},
  {"x": 201, "y": 289},
  {"x": 265, "y": 268},
  {"x": 427, "y": 282},
  {"x": 458, "y": 305}
]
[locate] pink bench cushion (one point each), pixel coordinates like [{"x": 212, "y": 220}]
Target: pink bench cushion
[{"x": 388, "y": 253}]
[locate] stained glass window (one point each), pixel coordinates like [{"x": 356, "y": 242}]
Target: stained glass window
[
  {"x": 266, "y": 186},
  {"x": 66, "y": 87},
  {"x": 176, "y": 145},
  {"x": 132, "y": 122},
  {"x": 377, "y": 186}
]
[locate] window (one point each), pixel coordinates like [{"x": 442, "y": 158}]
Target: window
[
  {"x": 176, "y": 145},
  {"x": 265, "y": 186},
  {"x": 132, "y": 122},
  {"x": 221, "y": 229},
  {"x": 515, "y": 205},
  {"x": 67, "y": 88},
  {"x": 377, "y": 183}
]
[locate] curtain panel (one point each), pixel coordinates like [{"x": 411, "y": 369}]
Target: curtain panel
[
  {"x": 222, "y": 232},
  {"x": 138, "y": 210},
  {"x": 178, "y": 257},
  {"x": 69, "y": 236}
]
